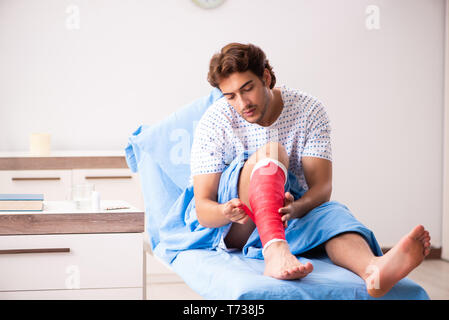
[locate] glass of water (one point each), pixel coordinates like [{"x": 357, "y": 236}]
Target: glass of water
[{"x": 82, "y": 195}]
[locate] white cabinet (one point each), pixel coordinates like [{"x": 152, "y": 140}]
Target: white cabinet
[
  {"x": 54, "y": 184},
  {"x": 62, "y": 253},
  {"x": 67, "y": 266},
  {"x": 67, "y": 253}
]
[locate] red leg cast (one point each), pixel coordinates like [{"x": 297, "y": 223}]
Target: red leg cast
[{"x": 266, "y": 196}]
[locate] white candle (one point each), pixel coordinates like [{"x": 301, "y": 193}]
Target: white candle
[{"x": 40, "y": 144}]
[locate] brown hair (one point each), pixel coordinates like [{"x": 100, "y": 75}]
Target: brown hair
[{"x": 237, "y": 57}]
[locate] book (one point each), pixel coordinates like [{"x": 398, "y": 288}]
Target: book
[{"x": 21, "y": 202}]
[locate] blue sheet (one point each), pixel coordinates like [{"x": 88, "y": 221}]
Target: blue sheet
[
  {"x": 161, "y": 154},
  {"x": 223, "y": 275}
]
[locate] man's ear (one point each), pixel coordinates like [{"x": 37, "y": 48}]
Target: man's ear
[{"x": 266, "y": 78}]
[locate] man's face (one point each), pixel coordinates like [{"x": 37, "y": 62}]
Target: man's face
[{"x": 247, "y": 94}]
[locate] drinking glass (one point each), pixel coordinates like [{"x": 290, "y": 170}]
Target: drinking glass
[{"x": 82, "y": 195}]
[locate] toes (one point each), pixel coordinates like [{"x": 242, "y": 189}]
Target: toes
[
  {"x": 424, "y": 237},
  {"x": 417, "y": 232},
  {"x": 309, "y": 267},
  {"x": 426, "y": 240},
  {"x": 421, "y": 237},
  {"x": 298, "y": 269},
  {"x": 301, "y": 270},
  {"x": 294, "y": 270}
]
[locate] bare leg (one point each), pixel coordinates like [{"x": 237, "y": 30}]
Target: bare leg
[
  {"x": 380, "y": 274},
  {"x": 350, "y": 251},
  {"x": 279, "y": 262}
]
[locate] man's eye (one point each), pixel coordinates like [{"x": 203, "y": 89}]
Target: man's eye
[
  {"x": 230, "y": 97},
  {"x": 249, "y": 88}
]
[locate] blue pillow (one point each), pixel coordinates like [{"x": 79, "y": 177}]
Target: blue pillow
[
  {"x": 161, "y": 155},
  {"x": 169, "y": 141}
]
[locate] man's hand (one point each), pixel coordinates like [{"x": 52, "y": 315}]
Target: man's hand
[
  {"x": 288, "y": 211},
  {"x": 233, "y": 211},
  {"x": 318, "y": 174}
]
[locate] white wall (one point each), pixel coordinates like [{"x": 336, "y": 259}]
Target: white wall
[
  {"x": 134, "y": 62},
  {"x": 445, "y": 212}
]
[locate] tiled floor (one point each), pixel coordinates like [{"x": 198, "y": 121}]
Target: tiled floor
[
  {"x": 163, "y": 284},
  {"x": 433, "y": 276}
]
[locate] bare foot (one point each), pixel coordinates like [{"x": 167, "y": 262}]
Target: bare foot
[
  {"x": 281, "y": 264},
  {"x": 385, "y": 271}
]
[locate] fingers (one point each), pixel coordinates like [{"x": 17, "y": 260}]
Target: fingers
[
  {"x": 288, "y": 198},
  {"x": 238, "y": 215},
  {"x": 286, "y": 217},
  {"x": 284, "y": 210},
  {"x": 235, "y": 212},
  {"x": 243, "y": 220},
  {"x": 236, "y": 202},
  {"x": 288, "y": 210},
  {"x": 287, "y": 213}
]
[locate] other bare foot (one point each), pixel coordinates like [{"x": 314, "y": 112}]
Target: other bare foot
[
  {"x": 385, "y": 271},
  {"x": 281, "y": 264}
]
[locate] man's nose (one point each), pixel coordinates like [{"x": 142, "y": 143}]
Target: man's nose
[{"x": 242, "y": 103}]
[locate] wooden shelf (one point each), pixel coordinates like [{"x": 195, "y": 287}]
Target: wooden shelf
[
  {"x": 61, "y": 217},
  {"x": 63, "y": 160}
]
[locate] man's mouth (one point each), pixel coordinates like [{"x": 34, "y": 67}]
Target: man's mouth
[{"x": 249, "y": 112}]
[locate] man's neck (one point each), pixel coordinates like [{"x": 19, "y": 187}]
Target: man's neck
[{"x": 274, "y": 108}]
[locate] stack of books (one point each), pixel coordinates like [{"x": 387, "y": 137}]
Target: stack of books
[{"x": 21, "y": 202}]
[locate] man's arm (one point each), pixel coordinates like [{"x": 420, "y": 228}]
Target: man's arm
[
  {"x": 318, "y": 174},
  {"x": 209, "y": 212}
]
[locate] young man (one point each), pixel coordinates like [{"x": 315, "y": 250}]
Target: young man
[{"x": 260, "y": 141}]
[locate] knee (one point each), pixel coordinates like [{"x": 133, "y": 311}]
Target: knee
[{"x": 274, "y": 150}]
